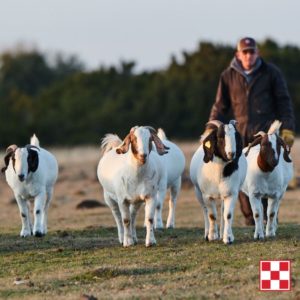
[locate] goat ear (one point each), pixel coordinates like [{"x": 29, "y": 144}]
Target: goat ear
[
  {"x": 231, "y": 167},
  {"x": 32, "y": 160},
  {"x": 209, "y": 147},
  {"x": 160, "y": 147},
  {"x": 124, "y": 147},
  {"x": 9, "y": 152},
  {"x": 286, "y": 150},
  {"x": 239, "y": 144}
]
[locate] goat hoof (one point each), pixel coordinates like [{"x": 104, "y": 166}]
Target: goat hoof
[
  {"x": 151, "y": 244},
  {"x": 229, "y": 242},
  {"x": 128, "y": 243},
  {"x": 25, "y": 234},
  {"x": 213, "y": 237},
  {"x": 39, "y": 234},
  {"x": 206, "y": 238},
  {"x": 159, "y": 227},
  {"x": 270, "y": 236},
  {"x": 259, "y": 237},
  {"x": 170, "y": 226}
]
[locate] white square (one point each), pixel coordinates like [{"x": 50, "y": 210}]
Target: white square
[
  {"x": 265, "y": 275},
  {"x": 284, "y": 275},
  {"x": 275, "y": 265},
  {"x": 274, "y": 284}
]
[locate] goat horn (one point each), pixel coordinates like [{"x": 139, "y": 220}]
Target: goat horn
[
  {"x": 217, "y": 123},
  {"x": 151, "y": 129},
  {"x": 254, "y": 143},
  {"x": 261, "y": 133},
  {"x": 233, "y": 122},
  {"x": 11, "y": 148},
  {"x": 133, "y": 129}
]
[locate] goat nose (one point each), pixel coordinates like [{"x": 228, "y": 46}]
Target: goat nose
[{"x": 21, "y": 177}]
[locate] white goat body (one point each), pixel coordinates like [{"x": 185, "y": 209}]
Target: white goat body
[
  {"x": 217, "y": 174},
  {"x": 269, "y": 171},
  {"x": 130, "y": 174},
  {"x": 174, "y": 163},
  {"x": 31, "y": 172}
]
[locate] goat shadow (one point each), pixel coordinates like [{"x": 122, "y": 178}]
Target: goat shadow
[{"x": 106, "y": 237}]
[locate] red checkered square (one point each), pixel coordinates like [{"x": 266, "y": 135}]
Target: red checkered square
[
  {"x": 284, "y": 266},
  {"x": 265, "y": 266},
  {"x": 266, "y": 284},
  {"x": 275, "y": 275},
  {"x": 284, "y": 284}
]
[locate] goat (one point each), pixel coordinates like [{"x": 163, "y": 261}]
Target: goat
[
  {"x": 31, "y": 172},
  {"x": 130, "y": 174},
  {"x": 270, "y": 169},
  {"x": 217, "y": 170},
  {"x": 174, "y": 163}
]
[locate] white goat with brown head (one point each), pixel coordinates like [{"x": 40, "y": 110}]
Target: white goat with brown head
[
  {"x": 31, "y": 173},
  {"x": 217, "y": 170},
  {"x": 131, "y": 174},
  {"x": 270, "y": 169}
]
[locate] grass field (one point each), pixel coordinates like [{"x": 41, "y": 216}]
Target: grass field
[{"x": 81, "y": 255}]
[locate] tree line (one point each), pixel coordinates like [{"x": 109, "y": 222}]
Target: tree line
[{"x": 66, "y": 105}]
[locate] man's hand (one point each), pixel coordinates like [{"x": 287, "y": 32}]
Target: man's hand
[{"x": 288, "y": 137}]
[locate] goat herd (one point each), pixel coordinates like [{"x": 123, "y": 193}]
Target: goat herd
[{"x": 142, "y": 167}]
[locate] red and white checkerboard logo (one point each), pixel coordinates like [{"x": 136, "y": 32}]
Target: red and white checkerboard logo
[{"x": 275, "y": 275}]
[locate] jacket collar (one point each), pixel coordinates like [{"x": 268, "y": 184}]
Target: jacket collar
[{"x": 236, "y": 65}]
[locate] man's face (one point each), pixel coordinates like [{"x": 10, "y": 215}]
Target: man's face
[{"x": 247, "y": 58}]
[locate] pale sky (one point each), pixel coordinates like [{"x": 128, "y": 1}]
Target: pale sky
[{"x": 103, "y": 32}]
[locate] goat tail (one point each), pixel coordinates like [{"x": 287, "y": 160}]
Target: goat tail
[
  {"x": 161, "y": 134},
  {"x": 274, "y": 128},
  {"x": 110, "y": 141},
  {"x": 34, "y": 141}
]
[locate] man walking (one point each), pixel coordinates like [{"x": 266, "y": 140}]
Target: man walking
[{"x": 256, "y": 93}]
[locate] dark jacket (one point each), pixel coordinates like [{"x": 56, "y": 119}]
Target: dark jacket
[{"x": 255, "y": 101}]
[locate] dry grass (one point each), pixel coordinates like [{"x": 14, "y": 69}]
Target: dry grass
[{"x": 81, "y": 253}]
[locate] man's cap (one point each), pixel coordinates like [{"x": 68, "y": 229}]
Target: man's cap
[{"x": 246, "y": 43}]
